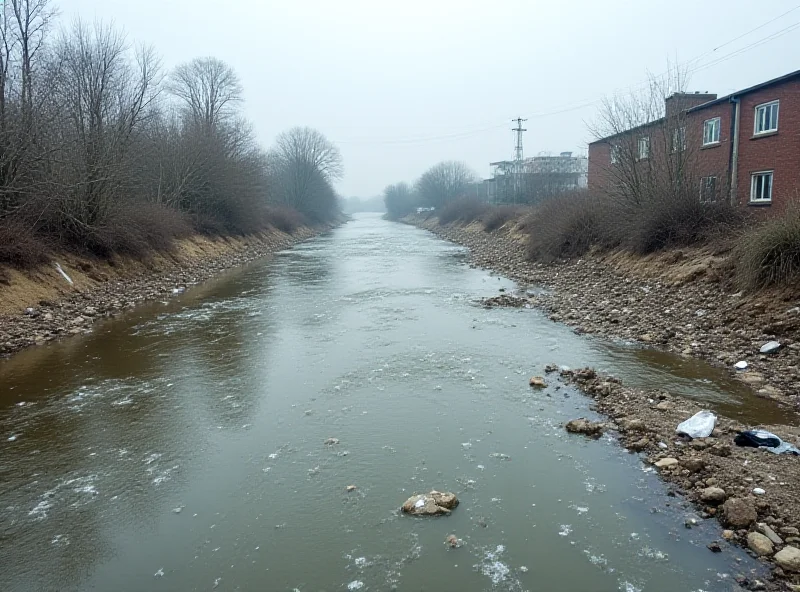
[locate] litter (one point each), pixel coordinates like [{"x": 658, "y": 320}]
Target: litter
[
  {"x": 770, "y": 347},
  {"x": 765, "y": 439},
  {"x": 63, "y": 273},
  {"x": 699, "y": 425},
  {"x": 740, "y": 365}
]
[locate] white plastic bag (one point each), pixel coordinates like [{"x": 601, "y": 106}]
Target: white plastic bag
[{"x": 699, "y": 425}]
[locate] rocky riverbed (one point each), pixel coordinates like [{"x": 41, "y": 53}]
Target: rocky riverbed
[
  {"x": 751, "y": 491},
  {"x": 106, "y": 289},
  {"x": 690, "y": 312}
]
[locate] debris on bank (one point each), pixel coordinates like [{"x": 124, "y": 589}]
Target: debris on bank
[{"x": 749, "y": 488}]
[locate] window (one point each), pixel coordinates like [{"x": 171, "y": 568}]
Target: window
[
  {"x": 644, "y": 147},
  {"x": 615, "y": 153},
  {"x": 679, "y": 139},
  {"x": 761, "y": 187},
  {"x": 766, "y": 118},
  {"x": 711, "y": 131},
  {"x": 708, "y": 189}
]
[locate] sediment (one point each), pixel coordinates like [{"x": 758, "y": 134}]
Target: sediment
[{"x": 41, "y": 306}]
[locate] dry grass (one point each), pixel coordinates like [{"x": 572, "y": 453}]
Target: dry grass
[
  {"x": 463, "y": 210},
  {"x": 497, "y": 216},
  {"x": 768, "y": 254},
  {"x": 20, "y": 247}
]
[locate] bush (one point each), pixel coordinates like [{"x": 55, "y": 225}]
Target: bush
[
  {"x": 136, "y": 230},
  {"x": 676, "y": 221},
  {"x": 565, "y": 226},
  {"x": 768, "y": 254},
  {"x": 497, "y": 216},
  {"x": 20, "y": 247},
  {"x": 285, "y": 219},
  {"x": 463, "y": 210}
]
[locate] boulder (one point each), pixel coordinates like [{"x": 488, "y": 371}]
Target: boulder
[
  {"x": 693, "y": 465},
  {"x": 331, "y": 441},
  {"x": 666, "y": 463},
  {"x": 584, "y": 426},
  {"x": 759, "y": 544},
  {"x": 434, "y": 503},
  {"x": 739, "y": 513},
  {"x": 713, "y": 495},
  {"x": 537, "y": 381},
  {"x": 788, "y": 558}
]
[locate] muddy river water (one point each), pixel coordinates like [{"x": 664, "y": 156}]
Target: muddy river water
[{"x": 181, "y": 447}]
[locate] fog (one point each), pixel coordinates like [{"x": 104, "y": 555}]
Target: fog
[{"x": 402, "y": 86}]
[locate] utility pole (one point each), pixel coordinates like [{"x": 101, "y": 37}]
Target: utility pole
[{"x": 518, "y": 158}]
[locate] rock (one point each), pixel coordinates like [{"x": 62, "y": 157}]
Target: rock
[
  {"x": 759, "y": 544},
  {"x": 434, "y": 503},
  {"x": 788, "y": 558},
  {"x": 78, "y": 321},
  {"x": 537, "y": 381},
  {"x": 713, "y": 495},
  {"x": 738, "y": 513},
  {"x": 720, "y": 450},
  {"x": 550, "y": 368},
  {"x": 351, "y": 488},
  {"x": 714, "y": 547},
  {"x": 770, "y": 347},
  {"x": 666, "y": 463},
  {"x": 453, "y": 541},
  {"x": 331, "y": 441},
  {"x": 752, "y": 377},
  {"x": 639, "y": 445},
  {"x": 664, "y": 406},
  {"x": 790, "y": 531},
  {"x": 48, "y": 316},
  {"x": 584, "y": 426},
  {"x": 758, "y": 491},
  {"x": 769, "y": 533},
  {"x": 728, "y": 534},
  {"x": 693, "y": 465},
  {"x": 632, "y": 425},
  {"x": 89, "y": 311}
]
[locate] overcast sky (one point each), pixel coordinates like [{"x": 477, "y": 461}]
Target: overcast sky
[{"x": 400, "y": 86}]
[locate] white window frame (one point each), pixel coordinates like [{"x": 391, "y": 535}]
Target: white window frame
[
  {"x": 644, "y": 141},
  {"x": 714, "y": 124},
  {"x": 679, "y": 133},
  {"x": 754, "y": 183},
  {"x": 704, "y": 185},
  {"x": 760, "y": 112}
]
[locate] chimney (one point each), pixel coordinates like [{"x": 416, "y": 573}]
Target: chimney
[{"x": 677, "y": 102}]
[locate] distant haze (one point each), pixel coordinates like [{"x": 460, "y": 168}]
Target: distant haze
[{"x": 401, "y": 86}]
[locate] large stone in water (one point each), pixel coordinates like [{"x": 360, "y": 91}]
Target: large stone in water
[
  {"x": 584, "y": 426},
  {"x": 434, "y": 503}
]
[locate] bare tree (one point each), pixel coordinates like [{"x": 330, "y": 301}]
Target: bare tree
[
  {"x": 400, "y": 200},
  {"x": 304, "y": 164},
  {"x": 444, "y": 182},
  {"x": 208, "y": 88}
]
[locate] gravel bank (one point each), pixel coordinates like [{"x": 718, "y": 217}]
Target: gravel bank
[
  {"x": 41, "y": 306},
  {"x": 682, "y": 308}
]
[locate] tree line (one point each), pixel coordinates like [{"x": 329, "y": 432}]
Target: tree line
[
  {"x": 439, "y": 185},
  {"x": 103, "y": 150}
]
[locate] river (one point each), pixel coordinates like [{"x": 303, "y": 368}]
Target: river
[{"x": 181, "y": 446}]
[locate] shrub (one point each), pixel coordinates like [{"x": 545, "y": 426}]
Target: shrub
[
  {"x": 463, "y": 210},
  {"x": 497, "y": 216},
  {"x": 680, "y": 220},
  {"x": 285, "y": 219},
  {"x": 768, "y": 254},
  {"x": 137, "y": 229},
  {"x": 565, "y": 226},
  {"x": 20, "y": 247}
]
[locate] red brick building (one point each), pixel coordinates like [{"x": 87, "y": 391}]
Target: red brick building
[{"x": 744, "y": 147}]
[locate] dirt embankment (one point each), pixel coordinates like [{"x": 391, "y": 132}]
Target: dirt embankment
[
  {"x": 41, "y": 305},
  {"x": 674, "y": 301}
]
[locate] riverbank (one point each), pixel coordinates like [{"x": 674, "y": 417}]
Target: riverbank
[
  {"x": 676, "y": 301},
  {"x": 41, "y": 305}
]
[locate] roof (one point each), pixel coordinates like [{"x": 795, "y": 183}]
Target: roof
[
  {"x": 745, "y": 91},
  {"x": 627, "y": 131}
]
